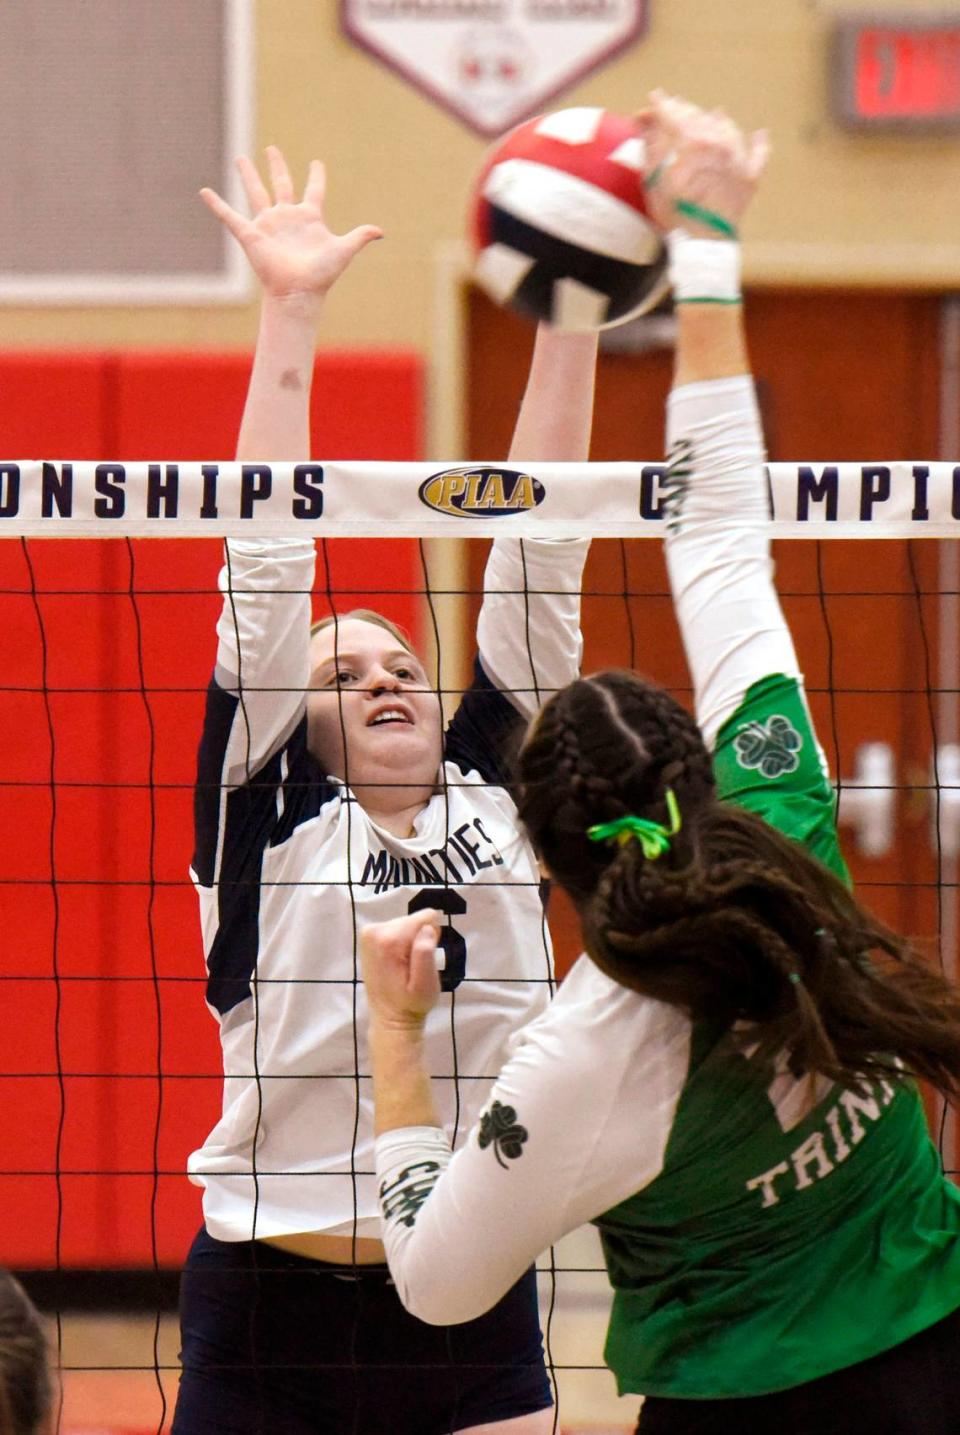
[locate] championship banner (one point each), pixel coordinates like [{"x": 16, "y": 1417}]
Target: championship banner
[
  {"x": 63, "y": 499},
  {"x": 493, "y": 63}
]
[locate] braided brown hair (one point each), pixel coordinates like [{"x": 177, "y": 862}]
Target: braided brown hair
[
  {"x": 26, "y": 1389},
  {"x": 736, "y": 923}
]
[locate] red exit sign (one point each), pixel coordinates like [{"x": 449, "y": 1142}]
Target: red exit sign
[{"x": 897, "y": 73}]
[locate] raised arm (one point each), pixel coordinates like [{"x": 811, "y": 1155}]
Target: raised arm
[
  {"x": 748, "y": 686},
  {"x": 263, "y": 650},
  {"x": 528, "y": 633},
  {"x": 718, "y": 545},
  {"x": 556, "y": 414},
  {"x": 297, "y": 260}
]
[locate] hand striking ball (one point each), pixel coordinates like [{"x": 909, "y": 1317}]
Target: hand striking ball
[{"x": 559, "y": 222}]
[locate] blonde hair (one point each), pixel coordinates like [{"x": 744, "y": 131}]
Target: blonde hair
[{"x": 365, "y": 615}]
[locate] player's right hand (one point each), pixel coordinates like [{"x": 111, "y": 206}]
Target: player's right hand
[
  {"x": 287, "y": 241},
  {"x": 701, "y": 157},
  {"x": 400, "y": 968}
]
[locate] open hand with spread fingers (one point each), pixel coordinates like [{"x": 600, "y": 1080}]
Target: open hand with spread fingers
[
  {"x": 287, "y": 241},
  {"x": 701, "y": 169}
]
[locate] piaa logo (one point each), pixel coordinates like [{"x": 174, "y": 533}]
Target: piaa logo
[{"x": 481, "y": 492}]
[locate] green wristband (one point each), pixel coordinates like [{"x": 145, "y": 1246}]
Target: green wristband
[
  {"x": 705, "y": 299},
  {"x": 706, "y": 216}
]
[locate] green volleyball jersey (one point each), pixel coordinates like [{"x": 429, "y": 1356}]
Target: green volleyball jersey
[
  {"x": 768, "y": 760},
  {"x": 781, "y": 1239},
  {"x": 760, "y": 1230}
]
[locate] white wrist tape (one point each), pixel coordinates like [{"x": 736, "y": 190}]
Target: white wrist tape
[{"x": 707, "y": 270}]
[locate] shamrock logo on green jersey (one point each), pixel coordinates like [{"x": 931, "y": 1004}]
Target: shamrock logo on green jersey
[
  {"x": 773, "y": 746},
  {"x": 500, "y": 1129}
]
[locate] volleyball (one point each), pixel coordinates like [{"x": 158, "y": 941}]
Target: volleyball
[{"x": 559, "y": 222}]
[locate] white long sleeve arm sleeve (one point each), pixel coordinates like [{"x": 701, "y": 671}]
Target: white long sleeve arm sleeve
[
  {"x": 528, "y": 632},
  {"x": 263, "y": 653},
  {"x": 718, "y": 547},
  {"x": 578, "y": 1119}
]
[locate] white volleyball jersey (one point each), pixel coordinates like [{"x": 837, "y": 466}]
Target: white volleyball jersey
[{"x": 289, "y": 869}]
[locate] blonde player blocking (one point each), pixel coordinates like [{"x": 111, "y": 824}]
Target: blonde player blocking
[{"x": 329, "y": 797}]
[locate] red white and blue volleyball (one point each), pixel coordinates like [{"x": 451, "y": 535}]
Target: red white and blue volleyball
[{"x": 560, "y": 225}]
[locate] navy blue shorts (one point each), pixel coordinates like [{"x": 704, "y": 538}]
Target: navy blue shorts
[{"x": 274, "y": 1344}]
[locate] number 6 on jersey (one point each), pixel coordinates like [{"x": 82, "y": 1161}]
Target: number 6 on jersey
[{"x": 451, "y": 942}]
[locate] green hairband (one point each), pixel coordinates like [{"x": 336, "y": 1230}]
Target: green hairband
[{"x": 654, "y": 837}]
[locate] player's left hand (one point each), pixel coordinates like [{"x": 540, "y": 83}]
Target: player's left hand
[{"x": 400, "y": 968}]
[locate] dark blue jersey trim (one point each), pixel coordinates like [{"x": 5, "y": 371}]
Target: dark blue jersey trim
[
  {"x": 221, "y": 709},
  {"x": 486, "y": 731},
  {"x": 250, "y": 817},
  {"x": 305, "y": 789},
  {"x": 252, "y": 820}
]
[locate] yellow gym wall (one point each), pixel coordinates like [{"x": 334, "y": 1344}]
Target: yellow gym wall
[{"x": 837, "y": 208}]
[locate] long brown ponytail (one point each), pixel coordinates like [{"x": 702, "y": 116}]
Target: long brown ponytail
[{"x": 736, "y": 922}]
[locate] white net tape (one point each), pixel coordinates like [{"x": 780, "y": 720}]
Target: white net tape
[{"x": 60, "y": 499}]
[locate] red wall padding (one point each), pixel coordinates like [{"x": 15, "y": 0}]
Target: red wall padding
[{"x": 110, "y": 1075}]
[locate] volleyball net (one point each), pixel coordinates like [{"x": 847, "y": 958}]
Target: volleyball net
[
  {"x": 111, "y": 1070},
  {"x": 421, "y": 500}
]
